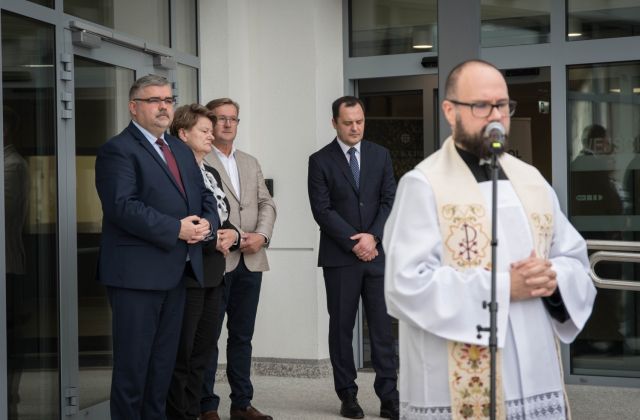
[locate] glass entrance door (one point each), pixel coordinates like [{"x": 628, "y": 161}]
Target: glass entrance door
[
  {"x": 101, "y": 81},
  {"x": 603, "y": 113},
  {"x": 30, "y": 227},
  {"x": 101, "y": 94}
]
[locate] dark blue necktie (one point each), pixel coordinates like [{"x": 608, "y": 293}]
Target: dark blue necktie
[{"x": 355, "y": 168}]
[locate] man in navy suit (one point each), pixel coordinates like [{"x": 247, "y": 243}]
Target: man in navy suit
[
  {"x": 157, "y": 212},
  {"x": 351, "y": 190}
]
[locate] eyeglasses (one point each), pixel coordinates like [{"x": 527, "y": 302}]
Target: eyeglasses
[
  {"x": 484, "y": 109},
  {"x": 169, "y": 100},
  {"x": 225, "y": 120}
]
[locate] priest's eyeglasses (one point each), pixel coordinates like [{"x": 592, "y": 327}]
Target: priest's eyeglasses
[{"x": 484, "y": 109}]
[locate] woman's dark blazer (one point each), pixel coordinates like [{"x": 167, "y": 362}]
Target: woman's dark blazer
[{"x": 213, "y": 260}]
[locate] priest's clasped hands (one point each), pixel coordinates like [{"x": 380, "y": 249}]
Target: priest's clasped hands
[{"x": 532, "y": 277}]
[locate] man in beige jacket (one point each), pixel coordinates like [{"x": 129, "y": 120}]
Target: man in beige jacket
[{"x": 252, "y": 210}]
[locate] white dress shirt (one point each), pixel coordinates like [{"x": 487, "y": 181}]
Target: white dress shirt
[{"x": 231, "y": 166}]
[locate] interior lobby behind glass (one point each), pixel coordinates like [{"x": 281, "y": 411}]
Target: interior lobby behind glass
[
  {"x": 603, "y": 112},
  {"x": 30, "y": 225},
  {"x": 602, "y": 19}
]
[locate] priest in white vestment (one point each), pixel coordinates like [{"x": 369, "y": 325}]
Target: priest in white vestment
[{"x": 437, "y": 242}]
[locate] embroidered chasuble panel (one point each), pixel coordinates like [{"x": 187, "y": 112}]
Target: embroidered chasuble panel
[{"x": 466, "y": 236}]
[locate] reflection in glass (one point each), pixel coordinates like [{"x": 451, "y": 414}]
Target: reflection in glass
[
  {"x": 383, "y": 27},
  {"x": 101, "y": 96},
  {"x": 604, "y": 125},
  {"x": 187, "y": 84},
  {"x": 602, "y": 19},
  {"x": 530, "y": 130},
  {"x": 46, "y": 3},
  {"x": 505, "y": 22},
  {"x": 186, "y": 26},
  {"x": 30, "y": 225},
  {"x": 395, "y": 121},
  {"x": 126, "y": 16}
]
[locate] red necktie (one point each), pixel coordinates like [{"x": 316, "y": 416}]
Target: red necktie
[{"x": 171, "y": 163}]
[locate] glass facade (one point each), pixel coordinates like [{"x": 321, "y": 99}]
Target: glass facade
[
  {"x": 602, "y": 19},
  {"x": 60, "y": 103},
  {"x": 125, "y": 16},
  {"x": 577, "y": 121},
  {"x": 603, "y": 112},
  {"x": 187, "y": 84},
  {"x": 186, "y": 29},
  {"x": 508, "y": 22},
  {"x": 30, "y": 225},
  {"x": 383, "y": 27},
  {"x": 47, "y": 3}
]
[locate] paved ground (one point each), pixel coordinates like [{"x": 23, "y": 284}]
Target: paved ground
[{"x": 314, "y": 399}]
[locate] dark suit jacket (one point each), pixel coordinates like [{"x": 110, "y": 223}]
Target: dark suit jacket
[
  {"x": 142, "y": 207},
  {"x": 340, "y": 208},
  {"x": 214, "y": 261}
]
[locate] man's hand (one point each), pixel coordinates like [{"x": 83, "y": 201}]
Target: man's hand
[
  {"x": 365, "y": 249},
  {"x": 226, "y": 239},
  {"x": 532, "y": 277},
  {"x": 193, "y": 229},
  {"x": 250, "y": 243}
]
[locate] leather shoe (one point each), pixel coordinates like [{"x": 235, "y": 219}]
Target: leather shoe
[
  {"x": 390, "y": 409},
  {"x": 210, "y": 415},
  {"x": 350, "y": 407},
  {"x": 249, "y": 413}
]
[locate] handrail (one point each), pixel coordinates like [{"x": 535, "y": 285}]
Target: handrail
[{"x": 618, "y": 251}]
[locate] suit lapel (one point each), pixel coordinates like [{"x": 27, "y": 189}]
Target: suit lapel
[
  {"x": 213, "y": 160},
  {"x": 341, "y": 160},
  {"x": 365, "y": 164},
  {"x": 154, "y": 154}
]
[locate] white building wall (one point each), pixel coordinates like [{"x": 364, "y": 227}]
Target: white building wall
[{"x": 282, "y": 61}]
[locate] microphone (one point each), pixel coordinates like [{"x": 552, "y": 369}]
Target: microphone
[{"x": 495, "y": 133}]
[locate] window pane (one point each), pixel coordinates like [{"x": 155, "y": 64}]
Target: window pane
[
  {"x": 30, "y": 225},
  {"x": 395, "y": 120},
  {"x": 100, "y": 89},
  {"x": 602, "y": 19},
  {"x": 382, "y": 27},
  {"x": 186, "y": 26},
  {"x": 126, "y": 15},
  {"x": 508, "y": 22},
  {"x": 603, "y": 112},
  {"x": 46, "y": 3},
  {"x": 187, "y": 85}
]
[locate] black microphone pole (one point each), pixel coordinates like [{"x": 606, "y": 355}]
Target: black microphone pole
[{"x": 495, "y": 133}]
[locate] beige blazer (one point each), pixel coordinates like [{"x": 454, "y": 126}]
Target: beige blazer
[{"x": 253, "y": 211}]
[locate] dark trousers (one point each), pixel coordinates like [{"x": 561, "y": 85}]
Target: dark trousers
[
  {"x": 146, "y": 331},
  {"x": 240, "y": 303},
  {"x": 345, "y": 286},
  {"x": 198, "y": 341}
]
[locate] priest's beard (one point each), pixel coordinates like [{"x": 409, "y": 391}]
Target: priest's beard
[{"x": 475, "y": 143}]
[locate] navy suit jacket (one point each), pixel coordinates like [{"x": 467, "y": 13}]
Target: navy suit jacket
[
  {"x": 142, "y": 207},
  {"x": 342, "y": 210}
]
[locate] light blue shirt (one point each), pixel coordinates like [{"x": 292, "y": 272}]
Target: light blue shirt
[
  {"x": 345, "y": 150},
  {"x": 152, "y": 139}
]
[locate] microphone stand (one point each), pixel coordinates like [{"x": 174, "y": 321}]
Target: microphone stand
[{"x": 492, "y": 305}]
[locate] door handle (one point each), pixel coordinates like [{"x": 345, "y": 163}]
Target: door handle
[{"x": 614, "y": 251}]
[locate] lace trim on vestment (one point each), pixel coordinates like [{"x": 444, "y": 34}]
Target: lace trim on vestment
[{"x": 547, "y": 406}]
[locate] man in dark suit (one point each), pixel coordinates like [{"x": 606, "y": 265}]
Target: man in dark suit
[
  {"x": 156, "y": 213},
  {"x": 351, "y": 190}
]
